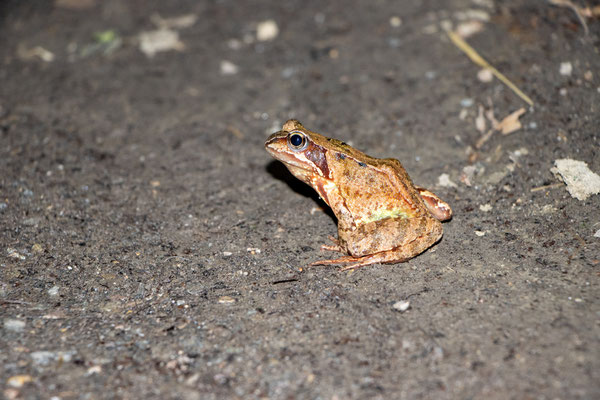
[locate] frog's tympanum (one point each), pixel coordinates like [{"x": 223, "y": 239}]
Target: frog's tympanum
[{"x": 382, "y": 216}]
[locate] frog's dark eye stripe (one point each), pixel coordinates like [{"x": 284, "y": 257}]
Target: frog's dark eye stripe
[
  {"x": 362, "y": 164},
  {"x": 297, "y": 141}
]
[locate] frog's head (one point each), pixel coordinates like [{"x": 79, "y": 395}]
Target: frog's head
[{"x": 301, "y": 150}]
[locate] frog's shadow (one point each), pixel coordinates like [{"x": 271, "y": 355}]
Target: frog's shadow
[{"x": 278, "y": 170}]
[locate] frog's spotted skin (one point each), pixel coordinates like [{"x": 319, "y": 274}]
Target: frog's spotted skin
[{"x": 382, "y": 216}]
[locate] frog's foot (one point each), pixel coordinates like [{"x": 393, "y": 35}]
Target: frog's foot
[
  {"x": 359, "y": 262},
  {"x": 335, "y": 247}
]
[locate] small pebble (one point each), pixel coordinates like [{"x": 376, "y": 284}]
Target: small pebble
[
  {"x": 394, "y": 42},
  {"x": 43, "y": 357},
  {"x": 3, "y": 206},
  {"x": 566, "y": 68},
  {"x": 46, "y": 357},
  {"x": 430, "y": 75},
  {"x": 18, "y": 381},
  {"x": 228, "y": 68},
  {"x": 14, "y": 325},
  {"x": 234, "y": 44},
  {"x": 438, "y": 353},
  {"x": 395, "y": 21},
  {"x": 469, "y": 28},
  {"x": 485, "y": 207},
  {"x": 319, "y": 18},
  {"x": 226, "y": 300},
  {"x": 152, "y": 42},
  {"x": 288, "y": 72},
  {"x": 96, "y": 369},
  {"x": 467, "y": 102},
  {"x": 485, "y": 75},
  {"x": 31, "y": 221},
  {"x": 15, "y": 254},
  {"x": 267, "y": 30},
  {"x": 53, "y": 291},
  {"x": 401, "y": 305}
]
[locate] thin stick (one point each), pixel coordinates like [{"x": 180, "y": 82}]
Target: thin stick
[
  {"x": 552, "y": 186},
  {"x": 477, "y": 59},
  {"x": 576, "y": 10}
]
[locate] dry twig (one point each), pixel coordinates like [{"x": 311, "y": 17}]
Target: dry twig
[
  {"x": 576, "y": 9},
  {"x": 477, "y": 59}
]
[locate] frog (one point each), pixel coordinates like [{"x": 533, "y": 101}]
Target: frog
[{"x": 382, "y": 217}]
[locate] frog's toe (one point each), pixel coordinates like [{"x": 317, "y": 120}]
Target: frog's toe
[
  {"x": 341, "y": 260},
  {"x": 356, "y": 262},
  {"x": 378, "y": 258},
  {"x": 335, "y": 247},
  {"x": 331, "y": 247}
]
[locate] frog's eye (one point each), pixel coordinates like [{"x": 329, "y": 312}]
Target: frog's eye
[{"x": 297, "y": 141}]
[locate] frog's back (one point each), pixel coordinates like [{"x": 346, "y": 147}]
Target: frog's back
[{"x": 376, "y": 189}]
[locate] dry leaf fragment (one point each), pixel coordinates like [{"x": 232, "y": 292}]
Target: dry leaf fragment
[
  {"x": 511, "y": 122},
  {"x": 37, "y": 51},
  {"x": 152, "y": 42},
  {"x": 480, "y": 120},
  {"x": 444, "y": 180},
  {"x": 489, "y": 114},
  {"x": 18, "y": 381}
]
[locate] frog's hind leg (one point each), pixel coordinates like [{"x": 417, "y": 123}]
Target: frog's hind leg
[
  {"x": 358, "y": 262},
  {"x": 385, "y": 257},
  {"x": 417, "y": 242}
]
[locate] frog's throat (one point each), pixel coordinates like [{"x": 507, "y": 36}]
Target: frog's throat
[{"x": 323, "y": 187}]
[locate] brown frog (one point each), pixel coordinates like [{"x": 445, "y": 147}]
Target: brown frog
[{"x": 382, "y": 216}]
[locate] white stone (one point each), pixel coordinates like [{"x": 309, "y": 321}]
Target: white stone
[{"x": 267, "y": 30}]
